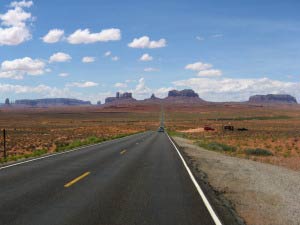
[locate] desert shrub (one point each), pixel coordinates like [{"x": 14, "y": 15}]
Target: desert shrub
[
  {"x": 258, "y": 152},
  {"x": 215, "y": 146}
]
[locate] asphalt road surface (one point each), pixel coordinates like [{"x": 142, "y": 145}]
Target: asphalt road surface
[{"x": 136, "y": 180}]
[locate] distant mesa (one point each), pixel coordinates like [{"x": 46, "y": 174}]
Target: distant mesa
[
  {"x": 184, "y": 96},
  {"x": 273, "y": 98},
  {"x": 51, "y": 102},
  {"x": 183, "y": 93},
  {"x": 120, "y": 97}
]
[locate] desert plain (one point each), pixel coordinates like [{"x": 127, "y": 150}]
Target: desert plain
[{"x": 274, "y": 128}]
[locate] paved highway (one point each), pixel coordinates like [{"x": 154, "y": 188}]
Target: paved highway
[{"x": 137, "y": 180}]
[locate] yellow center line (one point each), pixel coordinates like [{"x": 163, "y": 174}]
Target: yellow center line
[
  {"x": 122, "y": 152},
  {"x": 76, "y": 179}
]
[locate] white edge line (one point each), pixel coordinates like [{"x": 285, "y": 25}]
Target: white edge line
[
  {"x": 65, "y": 152},
  {"x": 201, "y": 193}
]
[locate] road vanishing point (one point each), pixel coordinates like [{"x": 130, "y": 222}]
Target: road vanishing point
[{"x": 141, "y": 179}]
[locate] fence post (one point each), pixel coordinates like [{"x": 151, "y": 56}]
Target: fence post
[{"x": 4, "y": 144}]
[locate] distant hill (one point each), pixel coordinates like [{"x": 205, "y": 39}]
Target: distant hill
[
  {"x": 272, "y": 99},
  {"x": 51, "y": 102}
]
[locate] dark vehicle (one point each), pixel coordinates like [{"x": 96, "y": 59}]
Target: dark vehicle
[
  {"x": 228, "y": 127},
  {"x": 161, "y": 129},
  {"x": 242, "y": 129},
  {"x": 208, "y": 128}
]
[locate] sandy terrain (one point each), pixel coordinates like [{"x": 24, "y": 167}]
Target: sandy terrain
[
  {"x": 30, "y": 129},
  {"x": 195, "y": 130},
  {"x": 262, "y": 194},
  {"x": 276, "y": 129}
]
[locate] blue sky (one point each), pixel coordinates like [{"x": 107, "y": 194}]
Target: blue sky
[{"x": 224, "y": 50}]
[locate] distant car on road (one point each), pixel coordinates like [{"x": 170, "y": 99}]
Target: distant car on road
[{"x": 161, "y": 129}]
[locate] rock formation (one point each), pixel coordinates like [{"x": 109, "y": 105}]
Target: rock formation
[
  {"x": 183, "y": 93},
  {"x": 126, "y": 96},
  {"x": 52, "y": 102},
  {"x": 273, "y": 98}
]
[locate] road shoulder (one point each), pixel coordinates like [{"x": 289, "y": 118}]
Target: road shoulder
[{"x": 239, "y": 188}]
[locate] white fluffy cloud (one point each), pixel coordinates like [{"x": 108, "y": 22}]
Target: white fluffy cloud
[
  {"x": 115, "y": 58},
  {"x": 22, "y": 4},
  {"x": 146, "y": 57},
  {"x": 199, "y": 38},
  {"x": 60, "y": 57},
  {"x": 53, "y": 36},
  {"x": 14, "y": 29},
  {"x": 120, "y": 85},
  {"x": 86, "y": 37},
  {"x": 85, "y": 84},
  {"x": 88, "y": 59},
  {"x": 12, "y": 75},
  {"x": 145, "y": 42},
  {"x": 17, "y": 68},
  {"x": 198, "y": 66},
  {"x": 210, "y": 73},
  {"x": 63, "y": 74},
  {"x": 204, "y": 69},
  {"x": 108, "y": 53},
  {"x": 151, "y": 69},
  {"x": 229, "y": 89},
  {"x": 142, "y": 90}
]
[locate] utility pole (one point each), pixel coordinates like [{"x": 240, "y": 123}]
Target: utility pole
[{"x": 4, "y": 144}]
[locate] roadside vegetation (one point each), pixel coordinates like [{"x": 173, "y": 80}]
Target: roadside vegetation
[
  {"x": 266, "y": 134},
  {"x": 258, "y": 152},
  {"x": 215, "y": 146},
  {"x": 63, "y": 146},
  {"x": 35, "y": 153}
]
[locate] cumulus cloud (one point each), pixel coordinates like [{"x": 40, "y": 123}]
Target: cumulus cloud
[
  {"x": 142, "y": 90},
  {"x": 108, "y": 53},
  {"x": 22, "y": 4},
  {"x": 120, "y": 85},
  {"x": 40, "y": 90},
  {"x": 14, "y": 28},
  {"x": 53, "y": 36},
  {"x": 210, "y": 73},
  {"x": 146, "y": 57},
  {"x": 217, "y": 36},
  {"x": 198, "y": 66},
  {"x": 86, "y": 37},
  {"x": 229, "y": 89},
  {"x": 63, "y": 74},
  {"x": 145, "y": 42},
  {"x": 45, "y": 91},
  {"x": 204, "y": 69},
  {"x": 85, "y": 84},
  {"x": 199, "y": 38},
  {"x": 60, "y": 57},
  {"x": 12, "y": 75},
  {"x": 17, "y": 68},
  {"x": 88, "y": 59},
  {"x": 115, "y": 58},
  {"x": 151, "y": 69}
]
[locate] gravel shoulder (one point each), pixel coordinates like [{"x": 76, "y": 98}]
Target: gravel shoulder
[{"x": 261, "y": 194}]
